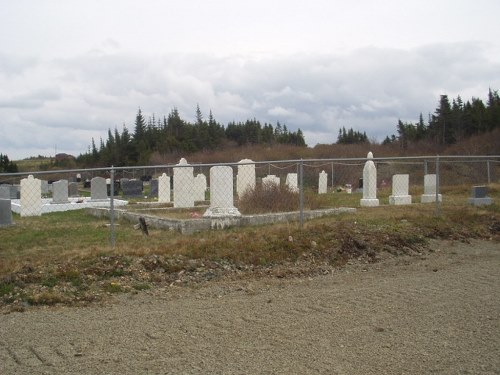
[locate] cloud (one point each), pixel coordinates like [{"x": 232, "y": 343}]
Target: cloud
[{"x": 67, "y": 101}]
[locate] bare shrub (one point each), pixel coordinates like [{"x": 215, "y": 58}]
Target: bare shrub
[{"x": 268, "y": 198}]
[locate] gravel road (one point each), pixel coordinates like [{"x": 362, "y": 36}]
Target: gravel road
[{"x": 438, "y": 313}]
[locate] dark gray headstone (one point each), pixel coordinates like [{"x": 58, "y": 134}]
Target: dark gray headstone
[
  {"x": 153, "y": 185},
  {"x": 132, "y": 188},
  {"x": 479, "y": 196},
  {"x": 479, "y": 191},
  {"x": 5, "y": 213}
]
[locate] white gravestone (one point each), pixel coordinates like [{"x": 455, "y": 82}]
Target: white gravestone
[
  {"x": 270, "y": 181},
  {"x": 245, "y": 179},
  {"x": 164, "y": 188},
  {"x": 429, "y": 195},
  {"x": 292, "y": 183},
  {"x": 322, "y": 182},
  {"x": 98, "y": 189},
  {"x": 369, "y": 183},
  {"x": 60, "y": 191},
  {"x": 183, "y": 185},
  {"x": 5, "y": 213},
  {"x": 200, "y": 187},
  {"x": 400, "y": 185},
  {"x": 221, "y": 193},
  {"x": 31, "y": 196}
]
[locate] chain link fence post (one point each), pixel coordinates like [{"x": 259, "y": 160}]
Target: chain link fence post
[
  {"x": 301, "y": 192},
  {"x": 488, "y": 171},
  {"x": 438, "y": 203},
  {"x": 112, "y": 207}
]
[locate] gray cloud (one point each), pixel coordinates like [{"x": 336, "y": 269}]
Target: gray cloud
[{"x": 69, "y": 101}]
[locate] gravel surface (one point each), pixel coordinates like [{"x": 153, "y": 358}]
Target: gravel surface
[{"x": 438, "y": 313}]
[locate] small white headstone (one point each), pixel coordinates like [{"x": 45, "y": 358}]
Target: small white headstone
[
  {"x": 270, "y": 181},
  {"x": 31, "y": 196},
  {"x": 400, "y": 185},
  {"x": 183, "y": 185},
  {"x": 164, "y": 188},
  {"x": 245, "y": 179},
  {"x": 221, "y": 193},
  {"x": 430, "y": 190},
  {"x": 369, "y": 183},
  {"x": 200, "y": 187},
  {"x": 292, "y": 182},
  {"x": 323, "y": 182}
]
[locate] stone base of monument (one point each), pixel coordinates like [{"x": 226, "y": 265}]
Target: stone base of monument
[
  {"x": 430, "y": 198},
  {"x": 486, "y": 201},
  {"x": 399, "y": 199},
  {"x": 216, "y": 212},
  {"x": 369, "y": 202}
]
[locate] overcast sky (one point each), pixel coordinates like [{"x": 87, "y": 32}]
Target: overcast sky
[{"x": 72, "y": 69}]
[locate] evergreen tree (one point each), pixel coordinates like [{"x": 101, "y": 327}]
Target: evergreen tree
[{"x": 6, "y": 165}]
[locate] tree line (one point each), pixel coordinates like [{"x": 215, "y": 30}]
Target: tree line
[
  {"x": 451, "y": 122},
  {"x": 173, "y": 135}
]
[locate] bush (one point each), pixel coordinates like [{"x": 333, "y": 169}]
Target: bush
[{"x": 268, "y": 198}]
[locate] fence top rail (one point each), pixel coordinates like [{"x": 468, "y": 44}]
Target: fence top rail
[{"x": 493, "y": 158}]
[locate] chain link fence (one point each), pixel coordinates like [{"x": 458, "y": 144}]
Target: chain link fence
[{"x": 227, "y": 194}]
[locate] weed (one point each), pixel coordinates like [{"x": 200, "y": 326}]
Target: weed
[
  {"x": 113, "y": 287},
  {"x": 6, "y": 288},
  {"x": 141, "y": 286}
]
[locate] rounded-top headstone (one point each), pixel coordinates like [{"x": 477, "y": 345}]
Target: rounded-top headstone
[
  {"x": 370, "y": 155},
  {"x": 183, "y": 161}
]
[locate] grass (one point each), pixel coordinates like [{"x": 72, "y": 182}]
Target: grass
[{"x": 65, "y": 257}]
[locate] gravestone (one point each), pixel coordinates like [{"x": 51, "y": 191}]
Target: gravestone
[
  {"x": 98, "y": 189},
  {"x": 60, "y": 192},
  {"x": 31, "y": 196},
  {"x": 369, "y": 183},
  {"x": 73, "y": 189},
  {"x": 221, "y": 193},
  {"x": 153, "y": 188},
  {"x": 132, "y": 188},
  {"x": 122, "y": 181},
  {"x": 116, "y": 187},
  {"x": 183, "y": 185},
  {"x": 323, "y": 182},
  {"x": 164, "y": 188},
  {"x": 245, "y": 179},
  {"x": 45, "y": 187},
  {"x": 480, "y": 196},
  {"x": 270, "y": 181},
  {"x": 15, "y": 191},
  {"x": 400, "y": 185},
  {"x": 5, "y": 212},
  {"x": 200, "y": 187},
  {"x": 430, "y": 189},
  {"x": 292, "y": 183},
  {"x": 10, "y": 191}
]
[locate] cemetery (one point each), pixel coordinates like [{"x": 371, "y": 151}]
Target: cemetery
[{"x": 189, "y": 200}]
